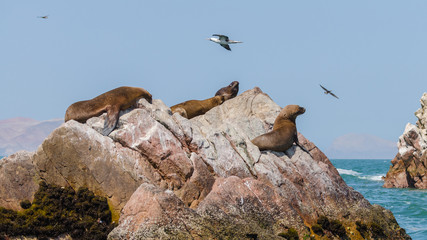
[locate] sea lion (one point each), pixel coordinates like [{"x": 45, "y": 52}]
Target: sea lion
[
  {"x": 284, "y": 132},
  {"x": 193, "y": 108},
  {"x": 111, "y": 102},
  {"x": 230, "y": 91}
]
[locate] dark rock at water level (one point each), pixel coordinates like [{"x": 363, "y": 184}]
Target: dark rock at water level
[{"x": 167, "y": 177}]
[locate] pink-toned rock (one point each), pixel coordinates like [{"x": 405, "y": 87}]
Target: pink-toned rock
[
  {"x": 238, "y": 192},
  {"x": 155, "y": 213},
  {"x": 152, "y": 140},
  {"x": 174, "y": 178},
  {"x": 76, "y": 155},
  {"x": 409, "y": 167}
]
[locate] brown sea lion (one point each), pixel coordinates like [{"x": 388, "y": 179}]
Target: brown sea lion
[
  {"x": 193, "y": 108},
  {"x": 111, "y": 102},
  {"x": 230, "y": 91},
  {"x": 284, "y": 132}
]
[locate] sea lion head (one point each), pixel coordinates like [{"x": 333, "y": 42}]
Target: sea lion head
[
  {"x": 147, "y": 96},
  {"x": 230, "y": 91},
  {"x": 290, "y": 112}
]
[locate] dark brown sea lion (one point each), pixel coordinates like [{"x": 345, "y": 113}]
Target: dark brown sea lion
[
  {"x": 111, "y": 102},
  {"x": 193, "y": 108},
  {"x": 230, "y": 91},
  {"x": 284, "y": 132}
]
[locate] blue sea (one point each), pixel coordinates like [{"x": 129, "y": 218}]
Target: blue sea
[{"x": 409, "y": 206}]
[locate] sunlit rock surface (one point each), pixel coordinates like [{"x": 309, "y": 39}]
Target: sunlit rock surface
[
  {"x": 168, "y": 177},
  {"x": 409, "y": 167}
]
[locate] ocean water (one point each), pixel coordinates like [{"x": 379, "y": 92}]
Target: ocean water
[{"x": 409, "y": 206}]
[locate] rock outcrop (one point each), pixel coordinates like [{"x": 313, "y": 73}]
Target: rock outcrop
[
  {"x": 409, "y": 166},
  {"x": 168, "y": 177}
]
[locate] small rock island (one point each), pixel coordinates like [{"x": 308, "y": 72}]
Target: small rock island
[
  {"x": 409, "y": 166},
  {"x": 168, "y": 177}
]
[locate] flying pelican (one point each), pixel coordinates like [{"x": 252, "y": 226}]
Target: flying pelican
[
  {"x": 223, "y": 41},
  {"x": 328, "y": 91},
  {"x": 45, "y": 17}
]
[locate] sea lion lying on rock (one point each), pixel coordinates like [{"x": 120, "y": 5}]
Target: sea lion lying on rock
[
  {"x": 111, "y": 102},
  {"x": 284, "y": 132},
  {"x": 230, "y": 91},
  {"x": 193, "y": 108}
]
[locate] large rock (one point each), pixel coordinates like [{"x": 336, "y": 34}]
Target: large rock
[
  {"x": 18, "y": 178},
  {"x": 174, "y": 178},
  {"x": 409, "y": 167}
]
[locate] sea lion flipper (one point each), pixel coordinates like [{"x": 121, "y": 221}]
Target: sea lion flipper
[
  {"x": 299, "y": 145},
  {"x": 111, "y": 119},
  {"x": 181, "y": 111}
]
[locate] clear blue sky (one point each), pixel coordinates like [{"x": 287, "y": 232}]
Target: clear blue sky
[{"x": 372, "y": 54}]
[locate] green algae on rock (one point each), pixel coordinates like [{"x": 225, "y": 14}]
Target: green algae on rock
[{"x": 56, "y": 211}]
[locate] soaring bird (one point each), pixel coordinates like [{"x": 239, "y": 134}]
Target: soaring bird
[
  {"x": 327, "y": 91},
  {"x": 223, "y": 41},
  {"x": 45, "y": 17}
]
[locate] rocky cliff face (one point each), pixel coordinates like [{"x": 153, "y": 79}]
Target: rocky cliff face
[
  {"x": 409, "y": 167},
  {"x": 168, "y": 177}
]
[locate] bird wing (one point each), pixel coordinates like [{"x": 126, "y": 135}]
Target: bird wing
[
  {"x": 226, "y": 46},
  {"x": 324, "y": 88},
  {"x": 333, "y": 95},
  {"x": 221, "y": 37}
]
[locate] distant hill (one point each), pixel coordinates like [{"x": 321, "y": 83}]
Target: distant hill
[
  {"x": 24, "y": 133},
  {"x": 361, "y": 146}
]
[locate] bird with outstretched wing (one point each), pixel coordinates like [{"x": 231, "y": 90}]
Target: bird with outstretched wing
[
  {"x": 223, "y": 40},
  {"x": 328, "y": 91}
]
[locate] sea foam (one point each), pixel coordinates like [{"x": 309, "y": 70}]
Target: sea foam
[
  {"x": 373, "y": 178},
  {"x": 348, "y": 172}
]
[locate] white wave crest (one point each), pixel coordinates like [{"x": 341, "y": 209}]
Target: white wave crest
[
  {"x": 348, "y": 172},
  {"x": 373, "y": 178}
]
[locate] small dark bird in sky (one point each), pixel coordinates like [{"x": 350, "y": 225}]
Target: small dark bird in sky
[
  {"x": 45, "y": 17},
  {"x": 223, "y": 41},
  {"x": 328, "y": 91}
]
